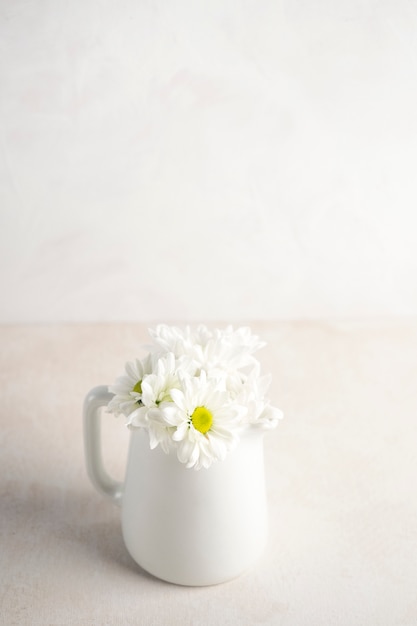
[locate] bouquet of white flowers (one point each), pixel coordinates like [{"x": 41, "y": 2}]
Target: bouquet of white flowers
[{"x": 196, "y": 391}]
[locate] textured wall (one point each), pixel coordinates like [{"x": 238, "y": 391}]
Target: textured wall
[{"x": 215, "y": 160}]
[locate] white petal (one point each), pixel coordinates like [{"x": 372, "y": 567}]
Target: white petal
[{"x": 179, "y": 399}]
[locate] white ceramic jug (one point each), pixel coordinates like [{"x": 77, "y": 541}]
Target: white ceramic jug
[{"x": 185, "y": 526}]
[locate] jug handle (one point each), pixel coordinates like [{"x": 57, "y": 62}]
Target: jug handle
[{"x": 94, "y": 401}]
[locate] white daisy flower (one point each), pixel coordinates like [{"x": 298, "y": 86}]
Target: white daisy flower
[
  {"x": 128, "y": 388},
  {"x": 172, "y": 339},
  {"x": 204, "y": 419},
  {"x": 156, "y": 389},
  {"x": 226, "y": 350},
  {"x": 253, "y": 396}
]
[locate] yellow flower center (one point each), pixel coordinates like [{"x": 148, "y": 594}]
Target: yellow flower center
[
  {"x": 138, "y": 387},
  {"x": 202, "y": 419}
]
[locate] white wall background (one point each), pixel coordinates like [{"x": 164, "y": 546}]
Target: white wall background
[{"x": 207, "y": 160}]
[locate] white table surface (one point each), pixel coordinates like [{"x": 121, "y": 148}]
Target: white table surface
[{"x": 341, "y": 480}]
